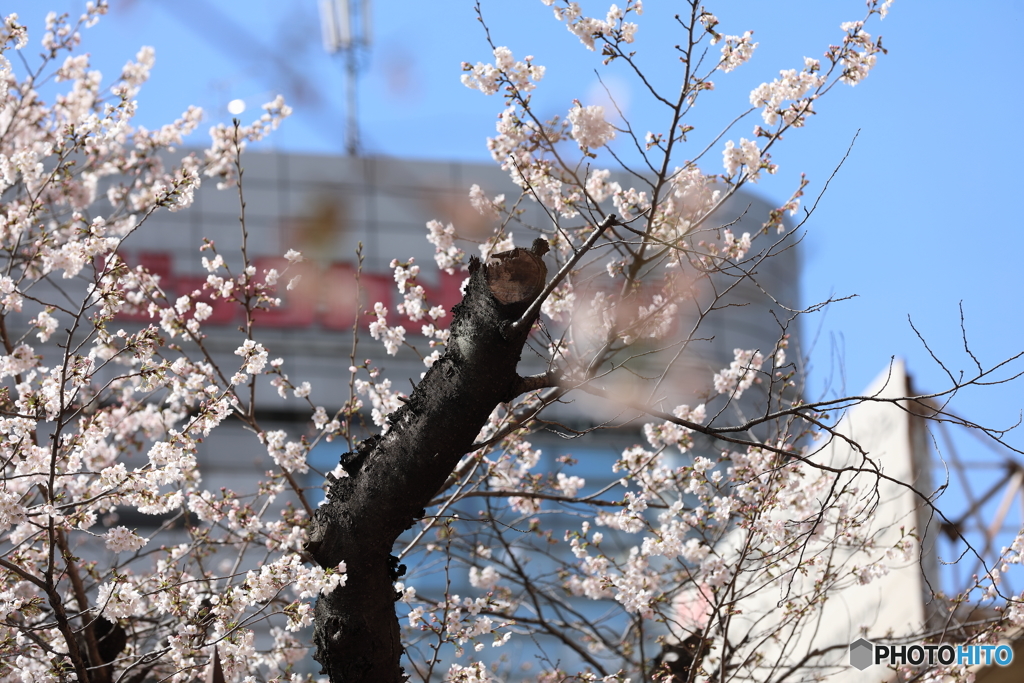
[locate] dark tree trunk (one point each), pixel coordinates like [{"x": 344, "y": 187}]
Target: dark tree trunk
[{"x": 393, "y": 476}]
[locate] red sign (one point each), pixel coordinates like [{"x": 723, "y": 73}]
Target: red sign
[{"x": 323, "y": 297}]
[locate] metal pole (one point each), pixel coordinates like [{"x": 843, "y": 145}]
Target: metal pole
[
  {"x": 346, "y": 28},
  {"x": 352, "y": 105}
]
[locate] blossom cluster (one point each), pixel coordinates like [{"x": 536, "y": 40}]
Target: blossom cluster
[
  {"x": 736, "y": 51},
  {"x": 612, "y": 28},
  {"x": 857, "y": 63},
  {"x": 230, "y": 141},
  {"x": 110, "y": 391},
  {"x": 488, "y": 78},
  {"x": 792, "y": 86},
  {"x": 748, "y": 156},
  {"x": 741, "y": 373},
  {"x": 447, "y": 255},
  {"x": 589, "y": 127}
]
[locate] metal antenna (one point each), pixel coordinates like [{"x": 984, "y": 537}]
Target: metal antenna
[
  {"x": 986, "y": 487},
  {"x": 346, "y": 31}
]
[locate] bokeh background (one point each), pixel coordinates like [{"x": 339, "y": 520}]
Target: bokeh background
[{"x": 919, "y": 222}]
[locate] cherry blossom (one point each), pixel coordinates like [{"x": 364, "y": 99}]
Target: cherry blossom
[
  {"x": 736, "y": 51},
  {"x": 108, "y": 401},
  {"x": 589, "y": 127}
]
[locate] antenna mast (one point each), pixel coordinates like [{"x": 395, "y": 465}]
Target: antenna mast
[{"x": 346, "y": 31}]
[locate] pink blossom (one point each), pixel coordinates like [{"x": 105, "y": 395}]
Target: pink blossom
[
  {"x": 737, "y": 51},
  {"x": 120, "y": 539},
  {"x": 589, "y": 128}
]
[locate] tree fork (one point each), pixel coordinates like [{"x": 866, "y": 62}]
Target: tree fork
[{"x": 393, "y": 476}]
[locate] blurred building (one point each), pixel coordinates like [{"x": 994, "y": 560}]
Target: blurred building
[{"x": 325, "y": 207}]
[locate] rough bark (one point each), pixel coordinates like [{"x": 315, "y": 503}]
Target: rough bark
[{"x": 392, "y": 476}]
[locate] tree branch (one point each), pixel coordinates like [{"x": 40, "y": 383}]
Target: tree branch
[{"x": 531, "y": 313}]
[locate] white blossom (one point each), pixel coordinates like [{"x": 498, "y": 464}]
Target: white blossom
[
  {"x": 747, "y": 154},
  {"x": 120, "y": 539},
  {"x": 484, "y": 579},
  {"x": 119, "y": 600},
  {"x": 589, "y": 128},
  {"x": 741, "y": 373},
  {"x": 447, "y": 255},
  {"x": 737, "y": 51}
]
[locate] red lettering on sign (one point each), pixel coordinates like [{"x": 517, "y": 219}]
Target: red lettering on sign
[
  {"x": 298, "y": 304},
  {"x": 322, "y": 296}
]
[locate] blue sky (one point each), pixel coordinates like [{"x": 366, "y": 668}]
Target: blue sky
[{"x": 920, "y": 218}]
